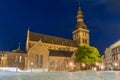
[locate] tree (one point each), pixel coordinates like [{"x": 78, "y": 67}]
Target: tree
[{"x": 87, "y": 55}]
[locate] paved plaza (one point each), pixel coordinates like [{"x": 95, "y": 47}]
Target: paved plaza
[{"x": 60, "y": 76}]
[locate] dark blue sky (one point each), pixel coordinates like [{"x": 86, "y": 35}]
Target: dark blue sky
[{"x": 58, "y": 18}]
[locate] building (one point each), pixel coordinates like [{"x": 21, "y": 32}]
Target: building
[
  {"x": 16, "y": 58},
  {"x": 53, "y": 52},
  {"x": 108, "y": 58},
  {"x": 3, "y": 60},
  {"x": 112, "y": 56},
  {"x": 50, "y": 52}
]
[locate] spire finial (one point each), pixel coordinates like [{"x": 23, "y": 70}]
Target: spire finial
[
  {"x": 28, "y": 28},
  {"x": 79, "y": 4}
]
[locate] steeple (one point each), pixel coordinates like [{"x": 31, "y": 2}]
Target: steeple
[
  {"x": 27, "y": 41},
  {"x": 80, "y": 20},
  {"x": 79, "y": 15},
  {"x": 28, "y": 29},
  {"x": 81, "y": 33}
]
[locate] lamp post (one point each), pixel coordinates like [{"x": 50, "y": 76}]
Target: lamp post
[{"x": 71, "y": 65}]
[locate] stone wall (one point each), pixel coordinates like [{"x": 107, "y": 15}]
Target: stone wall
[{"x": 38, "y": 56}]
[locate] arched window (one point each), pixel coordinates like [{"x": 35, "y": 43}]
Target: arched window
[
  {"x": 20, "y": 59},
  {"x": 37, "y": 60},
  {"x": 41, "y": 61}
]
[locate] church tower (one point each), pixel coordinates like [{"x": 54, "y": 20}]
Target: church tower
[{"x": 81, "y": 32}]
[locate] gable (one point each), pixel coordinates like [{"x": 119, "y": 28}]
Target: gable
[{"x": 38, "y": 48}]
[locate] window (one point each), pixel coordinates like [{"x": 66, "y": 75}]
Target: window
[
  {"x": 20, "y": 59},
  {"x": 85, "y": 34},
  {"x": 41, "y": 60},
  {"x": 115, "y": 50},
  {"x": 118, "y": 49},
  {"x": 36, "y": 60},
  {"x": 116, "y": 57},
  {"x": 16, "y": 58}
]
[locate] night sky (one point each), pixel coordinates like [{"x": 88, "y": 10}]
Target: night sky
[{"x": 58, "y": 18}]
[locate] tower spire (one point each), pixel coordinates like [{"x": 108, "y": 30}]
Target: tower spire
[
  {"x": 81, "y": 28},
  {"x": 79, "y": 14},
  {"x": 78, "y": 4},
  {"x": 28, "y": 28}
]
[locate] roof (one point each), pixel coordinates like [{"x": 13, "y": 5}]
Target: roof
[
  {"x": 18, "y": 50},
  {"x": 51, "y": 39},
  {"x": 60, "y": 53},
  {"x": 81, "y": 25}
]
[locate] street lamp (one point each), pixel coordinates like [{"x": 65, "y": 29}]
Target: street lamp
[
  {"x": 71, "y": 65},
  {"x": 115, "y": 64},
  {"x": 83, "y": 65}
]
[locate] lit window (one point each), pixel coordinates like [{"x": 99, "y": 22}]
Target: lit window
[{"x": 20, "y": 59}]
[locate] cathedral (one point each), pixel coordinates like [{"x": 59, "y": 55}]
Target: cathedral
[{"x": 48, "y": 52}]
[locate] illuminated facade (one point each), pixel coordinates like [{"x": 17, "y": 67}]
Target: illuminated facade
[
  {"x": 56, "y": 53},
  {"x": 112, "y": 56},
  {"x": 81, "y": 33},
  {"x": 53, "y": 53},
  {"x": 16, "y": 58}
]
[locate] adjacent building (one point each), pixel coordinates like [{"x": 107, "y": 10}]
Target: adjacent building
[
  {"x": 16, "y": 58},
  {"x": 112, "y": 56},
  {"x": 50, "y": 52},
  {"x": 108, "y": 58}
]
